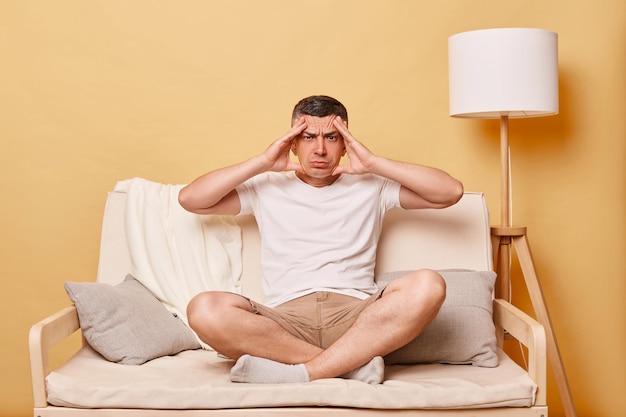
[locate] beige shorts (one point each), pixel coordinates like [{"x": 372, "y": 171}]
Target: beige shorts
[{"x": 319, "y": 318}]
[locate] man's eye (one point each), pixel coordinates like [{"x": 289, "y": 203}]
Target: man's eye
[
  {"x": 307, "y": 137},
  {"x": 331, "y": 138}
]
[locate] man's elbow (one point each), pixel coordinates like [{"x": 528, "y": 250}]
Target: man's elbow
[
  {"x": 455, "y": 193},
  {"x": 184, "y": 197}
]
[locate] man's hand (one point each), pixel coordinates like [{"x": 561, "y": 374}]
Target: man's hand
[
  {"x": 360, "y": 159},
  {"x": 276, "y": 156}
]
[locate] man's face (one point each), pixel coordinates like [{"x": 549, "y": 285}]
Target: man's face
[{"x": 319, "y": 149}]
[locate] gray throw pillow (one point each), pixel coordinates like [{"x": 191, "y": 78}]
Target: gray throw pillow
[
  {"x": 126, "y": 323},
  {"x": 463, "y": 332}
]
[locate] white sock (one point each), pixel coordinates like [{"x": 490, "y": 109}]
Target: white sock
[
  {"x": 257, "y": 370},
  {"x": 372, "y": 372}
]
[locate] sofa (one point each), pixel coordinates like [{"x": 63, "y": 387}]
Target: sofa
[{"x": 457, "y": 367}]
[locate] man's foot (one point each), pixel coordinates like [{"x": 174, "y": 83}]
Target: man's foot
[
  {"x": 257, "y": 370},
  {"x": 372, "y": 372}
]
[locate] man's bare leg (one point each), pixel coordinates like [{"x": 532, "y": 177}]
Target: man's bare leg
[
  {"x": 408, "y": 304},
  {"x": 226, "y": 322}
]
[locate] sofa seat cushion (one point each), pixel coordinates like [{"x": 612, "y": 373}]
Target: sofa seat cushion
[{"x": 199, "y": 379}]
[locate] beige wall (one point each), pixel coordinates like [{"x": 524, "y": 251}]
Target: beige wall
[{"x": 96, "y": 91}]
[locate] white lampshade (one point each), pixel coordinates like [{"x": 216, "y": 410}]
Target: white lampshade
[{"x": 510, "y": 71}]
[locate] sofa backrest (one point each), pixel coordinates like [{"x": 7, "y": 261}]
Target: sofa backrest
[{"x": 455, "y": 237}]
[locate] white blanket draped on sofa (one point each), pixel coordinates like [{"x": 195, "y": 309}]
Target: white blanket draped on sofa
[{"x": 177, "y": 254}]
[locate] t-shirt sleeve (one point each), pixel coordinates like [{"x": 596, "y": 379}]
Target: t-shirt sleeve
[
  {"x": 390, "y": 192},
  {"x": 246, "y": 192}
]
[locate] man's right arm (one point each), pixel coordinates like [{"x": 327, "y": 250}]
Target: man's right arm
[{"x": 214, "y": 193}]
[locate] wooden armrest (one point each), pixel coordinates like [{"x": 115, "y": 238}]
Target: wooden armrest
[
  {"x": 531, "y": 334},
  {"x": 41, "y": 338}
]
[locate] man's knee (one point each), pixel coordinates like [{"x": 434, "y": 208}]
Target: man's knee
[
  {"x": 211, "y": 307},
  {"x": 199, "y": 308},
  {"x": 434, "y": 284},
  {"x": 423, "y": 285}
]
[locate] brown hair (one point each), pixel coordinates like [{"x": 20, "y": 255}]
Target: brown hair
[{"x": 319, "y": 106}]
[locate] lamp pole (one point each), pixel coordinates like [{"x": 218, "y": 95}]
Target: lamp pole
[
  {"x": 505, "y": 217},
  {"x": 505, "y": 171}
]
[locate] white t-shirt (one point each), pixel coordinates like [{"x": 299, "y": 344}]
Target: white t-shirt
[{"x": 318, "y": 239}]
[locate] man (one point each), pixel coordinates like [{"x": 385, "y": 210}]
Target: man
[{"x": 319, "y": 221}]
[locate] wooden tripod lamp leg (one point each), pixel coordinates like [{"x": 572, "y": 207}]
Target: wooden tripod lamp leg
[
  {"x": 539, "y": 305},
  {"x": 508, "y": 234}
]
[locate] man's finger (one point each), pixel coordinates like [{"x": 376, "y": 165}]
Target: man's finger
[
  {"x": 297, "y": 128},
  {"x": 341, "y": 126},
  {"x": 294, "y": 166}
]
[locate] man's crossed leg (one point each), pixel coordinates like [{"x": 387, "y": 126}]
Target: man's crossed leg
[{"x": 350, "y": 344}]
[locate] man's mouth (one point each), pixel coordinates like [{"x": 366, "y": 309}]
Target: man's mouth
[{"x": 319, "y": 164}]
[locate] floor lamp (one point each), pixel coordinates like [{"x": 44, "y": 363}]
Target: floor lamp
[{"x": 501, "y": 74}]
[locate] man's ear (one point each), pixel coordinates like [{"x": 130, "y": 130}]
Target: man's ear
[{"x": 293, "y": 147}]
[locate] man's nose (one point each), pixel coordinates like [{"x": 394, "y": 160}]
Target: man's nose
[{"x": 320, "y": 146}]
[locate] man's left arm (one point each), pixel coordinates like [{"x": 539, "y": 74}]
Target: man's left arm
[{"x": 421, "y": 186}]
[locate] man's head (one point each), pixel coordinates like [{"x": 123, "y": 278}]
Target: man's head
[
  {"x": 320, "y": 147},
  {"x": 319, "y": 106}
]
